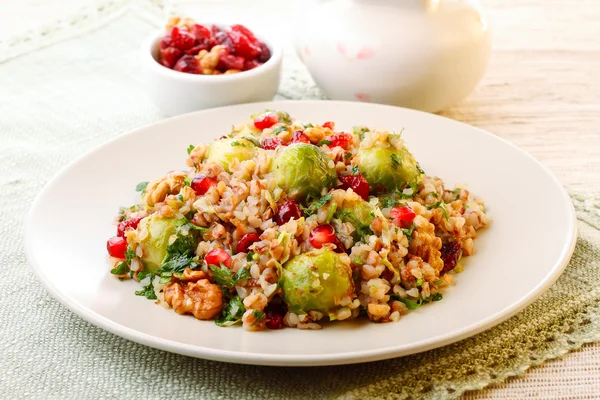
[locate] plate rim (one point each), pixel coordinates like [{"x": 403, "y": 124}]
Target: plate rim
[{"x": 349, "y": 357}]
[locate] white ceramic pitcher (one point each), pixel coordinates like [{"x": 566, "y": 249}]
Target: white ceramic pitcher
[{"x": 422, "y": 54}]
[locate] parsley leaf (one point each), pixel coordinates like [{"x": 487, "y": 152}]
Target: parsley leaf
[
  {"x": 410, "y": 304},
  {"x": 347, "y": 155},
  {"x": 323, "y": 142},
  {"x": 258, "y": 316},
  {"x": 360, "y": 131},
  {"x": 362, "y": 230},
  {"x": 396, "y": 161},
  {"x": 252, "y": 140},
  {"x": 437, "y": 297},
  {"x": 420, "y": 169},
  {"x": 307, "y": 125},
  {"x": 388, "y": 202},
  {"x": 235, "y": 143},
  {"x": 120, "y": 269},
  {"x": 148, "y": 291},
  {"x": 141, "y": 187},
  {"x": 408, "y": 232},
  {"x": 419, "y": 283},
  {"x": 314, "y": 207},
  {"x": 223, "y": 277},
  {"x": 284, "y": 117},
  {"x": 441, "y": 205},
  {"x": 199, "y": 228},
  {"x": 355, "y": 170},
  {"x": 279, "y": 129},
  {"x": 438, "y": 282},
  {"x": 190, "y": 148},
  {"x": 129, "y": 255},
  {"x": 233, "y": 313}
]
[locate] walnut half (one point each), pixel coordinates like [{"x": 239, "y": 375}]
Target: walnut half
[{"x": 202, "y": 299}]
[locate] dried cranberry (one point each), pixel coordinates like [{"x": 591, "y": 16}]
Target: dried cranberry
[
  {"x": 201, "y": 183},
  {"x": 450, "y": 253},
  {"x": 265, "y": 121},
  {"x": 341, "y": 139},
  {"x": 215, "y": 29},
  {"x": 357, "y": 183},
  {"x": 222, "y": 39},
  {"x": 218, "y": 257},
  {"x": 271, "y": 143},
  {"x": 229, "y": 61},
  {"x": 286, "y": 211},
  {"x": 189, "y": 64},
  {"x": 179, "y": 38},
  {"x": 265, "y": 53},
  {"x": 329, "y": 124},
  {"x": 200, "y": 32},
  {"x": 251, "y": 64},
  {"x": 169, "y": 56},
  {"x": 300, "y": 137},
  {"x": 244, "y": 31},
  {"x": 196, "y": 49},
  {"x": 116, "y": 246},
  {"x": 402, "y": 216},
  {"x": 273, "y": 320},
  {"x": 246, "y": 241},
  {"x": 242, "y": 46},
  {"x": 130, "y": 223}
]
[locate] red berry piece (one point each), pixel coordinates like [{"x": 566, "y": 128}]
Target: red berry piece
[
  {"x": 271, "y": 143},
  {"x": 324, "y": 234},
  {"x": 344, "y": 140},
  {"x": 273, "y": 320},
  {"x": 130, "y": 223},
  {"x": 246, "y": 241},
  {"x": 242, "y": 46},
  {"x": 223, "y": 39},
  {"x": 215, "y": 29},
  {"x": 181, "y": 39},
  {"x": 265, "y": 121},
  {"x": 286, "y": 211},
  {"x": 196, "y": 49},
  {"x": 244, "y": 31},
  {"x": 450, "y": 254},
  {"x": 300, "y": 137},
  {"x": 357, "y": 183},
  {"x": 201, "y": 183},
  {"x": 116, "y": 246},
  {"x": 402, "y": 216},
  {"x": 218, "y": 257},
  {"x": 329, "y": 124},
  {"x": 229, "y": 61},
  {"x": 169, "y": 56},
  {"x": 188, "y": 64},
  {"x": 265, "y": 53},
  {"x": 251, "y": 64},
  {"x": 200, "y": 32}
]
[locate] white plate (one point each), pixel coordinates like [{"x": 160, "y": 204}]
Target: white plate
[{"x": 517, "y": 258}]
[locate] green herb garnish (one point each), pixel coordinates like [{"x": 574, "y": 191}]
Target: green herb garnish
[
  {"x": 252, "y": 140},
  {"x": 233, "y": 313},
  {"x": 279, "y": 129},
  {"x": 441, "y": 205},
  {"x": 314, "y": 207},
  {"x": 190, "y": 148},
  {"x": 141, "y": 187},
  {"x": 258, "y": 316},
  {"x": 120, "y": 269},
  {"x": 224, "y": 277},
  {"x": 323, "y": 142},
  {"x": 148, "y": 290},
  {"x": 388, "y": 202}
]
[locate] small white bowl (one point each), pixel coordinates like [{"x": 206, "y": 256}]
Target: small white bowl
[{"x": 177, "y": 92}]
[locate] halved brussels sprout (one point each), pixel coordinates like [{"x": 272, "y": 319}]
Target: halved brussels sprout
[
  {"x": 315, "y": 281},
  {"x": 302, "y": 169},
  {"x": 156, "y": 232},
  {"x": 387, "y": 169},
  {"x": 224, "y": 151}
]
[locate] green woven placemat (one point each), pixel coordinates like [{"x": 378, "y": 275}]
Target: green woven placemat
[{"x": 84, "y": 91}]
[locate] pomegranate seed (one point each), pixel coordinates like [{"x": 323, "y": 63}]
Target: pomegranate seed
[
  {"x": 244, "y": 31},
  {"x": 450, "y": 252},
  {"x": 286, "y": 211},
  {"x": 242, "y": 46},
  {"x": 246, "y": 241},
  {"x": 402, "y": 216},
  {"x": 130, "y": 223},
  {"x": 271, "y": 143},
  {"x": 116, "y": 246},
  {"x": 329, "y": 124},
  {"x": 229, "y": 61},
  {"x": 357, "y": 183},
  {"x": 180, "y": 39},
  {"x": 218, "y": 257},
  {"x": 200, "y": 32},
  {"x": 189, "y": 64},
  {"x": 201, "y": 183},
  {"x": 265, "y": 53},
  {"x": 300, "y": 137},
  {"x": 196, "y": 49},
  {"x": 169, "y": 56},
  {"x": 251, "y": 64},
  {"x": 274, "y": 320},
  {"x": 265, "y": 121},
  {"x": 341, "y": 139},
  {"x": 321, "y": 235}
]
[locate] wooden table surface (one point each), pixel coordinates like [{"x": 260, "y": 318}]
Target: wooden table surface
[{"x": 541, "y": 92}]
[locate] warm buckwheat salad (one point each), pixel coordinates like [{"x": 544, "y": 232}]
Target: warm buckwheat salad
[{"x": 284, "y": 223}]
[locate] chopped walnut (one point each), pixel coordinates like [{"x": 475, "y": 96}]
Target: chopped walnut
[
  {"x": 158, "y": 190},
  {"x": 190, "y": 275},
  {"x": 231, "y": 71},
  {"x": 202, "y": 299},
  {"x": 209, "y": 59},
  {"x": 425, "y": 244}
]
